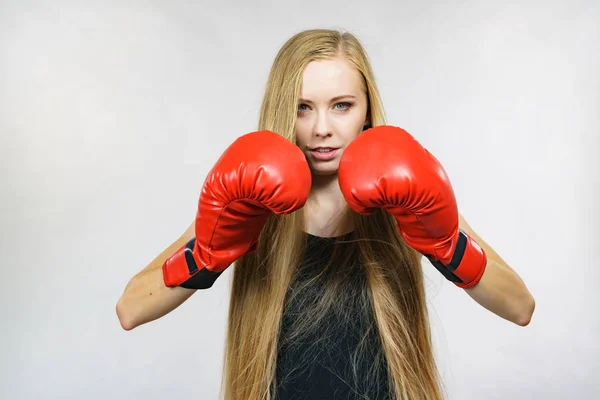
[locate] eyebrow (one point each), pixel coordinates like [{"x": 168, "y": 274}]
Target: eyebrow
[{"x": 345, "y": 96}]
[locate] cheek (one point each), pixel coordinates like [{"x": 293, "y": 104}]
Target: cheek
[
  {"x": 354, "y": 126},
  {"x": 302, "y": 136}
]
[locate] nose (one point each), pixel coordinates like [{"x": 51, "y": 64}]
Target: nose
[{"x": 322, "y": 128}]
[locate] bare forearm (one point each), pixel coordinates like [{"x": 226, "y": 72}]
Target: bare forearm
[
  {"x": 500, "y": 289},
  {"x": 502, "y": 292},
  {"x": 146, "y": 298}
]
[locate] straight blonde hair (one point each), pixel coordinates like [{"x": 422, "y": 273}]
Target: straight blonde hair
[{"x": 394, "y": 290}]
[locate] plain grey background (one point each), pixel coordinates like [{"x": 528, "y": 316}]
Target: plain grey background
[{"x": 112, "y": 113}]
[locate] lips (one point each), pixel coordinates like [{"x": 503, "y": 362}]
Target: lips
[
  {"x": 324, "y": 153},
  {"x": 324, "y": 149}
]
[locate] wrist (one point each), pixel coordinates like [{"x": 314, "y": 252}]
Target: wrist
[{"x": 467, "y": 264}]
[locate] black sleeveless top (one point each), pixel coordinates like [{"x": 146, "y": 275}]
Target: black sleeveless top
[{"x": 318, "y": 364}]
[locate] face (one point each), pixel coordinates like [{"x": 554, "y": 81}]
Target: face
[{"x": 332, "y": 111}]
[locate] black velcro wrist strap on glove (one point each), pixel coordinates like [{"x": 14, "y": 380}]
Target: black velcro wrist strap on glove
[
  {"x": 201, "y": 278},
  {"x": 448, "y": 270}
]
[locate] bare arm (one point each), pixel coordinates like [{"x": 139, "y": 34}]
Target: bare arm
[
  {"x": 146, "y": 298},
  {"x": 500, "y": 289}
]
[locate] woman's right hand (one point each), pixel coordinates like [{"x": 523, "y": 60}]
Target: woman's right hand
[{"x": 259, "y": 174}]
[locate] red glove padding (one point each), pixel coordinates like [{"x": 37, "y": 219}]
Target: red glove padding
[
  {"x": 385, "y": 167},
  {"x": 259, "y": 174}
]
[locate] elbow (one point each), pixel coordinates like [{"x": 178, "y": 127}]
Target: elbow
[
  {"x": 124, "y": 320},
  {"x": 527, "y": 313}
]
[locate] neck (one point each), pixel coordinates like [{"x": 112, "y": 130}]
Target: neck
[
  {"x": 326, "y": 208},
  {"x": 326, "y": 189}
]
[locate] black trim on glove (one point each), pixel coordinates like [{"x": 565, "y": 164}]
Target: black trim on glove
[
  {"x": 201, "y": 278},
  {"x": 448, "y": 270}
]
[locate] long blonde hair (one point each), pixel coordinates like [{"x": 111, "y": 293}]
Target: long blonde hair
[{"x": 394, "y": 280}]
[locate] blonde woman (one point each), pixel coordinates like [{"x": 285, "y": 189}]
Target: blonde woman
[{"x": 324, "y": 213}]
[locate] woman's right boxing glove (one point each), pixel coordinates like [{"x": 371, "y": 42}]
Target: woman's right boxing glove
[{"x": 259, "y": 174}]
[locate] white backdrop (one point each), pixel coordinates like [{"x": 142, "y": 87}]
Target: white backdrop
[{"x": 111, "y": 114}]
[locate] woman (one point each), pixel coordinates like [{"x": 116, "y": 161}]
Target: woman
[{"x": 326, "y": 212}]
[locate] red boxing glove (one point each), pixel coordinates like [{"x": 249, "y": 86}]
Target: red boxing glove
[
  {"x": 259, "y": 174},
  {"x": 385, "y": 167}
]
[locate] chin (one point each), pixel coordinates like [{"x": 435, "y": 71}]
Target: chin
[{"x": 323, "y": 171}]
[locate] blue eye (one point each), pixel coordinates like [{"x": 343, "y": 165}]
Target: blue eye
[{"x": 345, "y": 107}]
